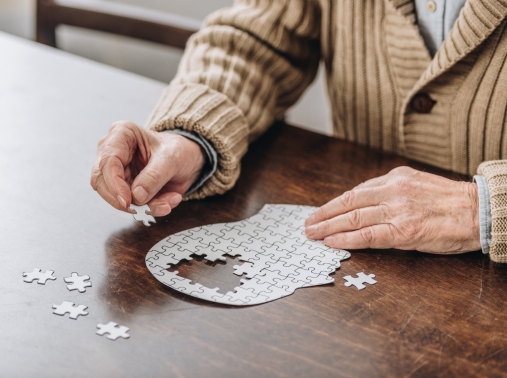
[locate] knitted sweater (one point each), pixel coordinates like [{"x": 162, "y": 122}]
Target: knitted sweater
[{"x": 251, "y": 62}]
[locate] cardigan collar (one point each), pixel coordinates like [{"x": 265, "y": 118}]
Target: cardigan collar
[{"x": 476, "y": 22}]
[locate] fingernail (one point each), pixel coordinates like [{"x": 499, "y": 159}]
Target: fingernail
[
  {"x": 162, "y": 210},
  {"x": 174, "y": 201},
  {"x": 122, "y": 201},
  {"x": 140, "y": 194}
]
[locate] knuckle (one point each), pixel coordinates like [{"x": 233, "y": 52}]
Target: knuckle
[
  {"x": 385, "y": 211},
  {"x": 324, "y": 226},
  {"x": 94, "y": 182},
  {"x": 321, "y": 213},
  {"x": 102, "y": 162},
  {"x": 402, "y": 185},
  {"x": 367, "y": 235},
  {"x": 121, "y": 125},
  {"x": 153, "y": 176},
  {"x": 402, "y": 171},
  {"x": 354, "y": 218},
  {"x": 347, "y": 198}
]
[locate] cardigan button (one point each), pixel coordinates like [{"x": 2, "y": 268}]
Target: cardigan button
[{"x": 422, "y": 103}]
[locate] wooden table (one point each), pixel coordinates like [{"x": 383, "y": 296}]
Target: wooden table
[{"x": 426, "y": 316}]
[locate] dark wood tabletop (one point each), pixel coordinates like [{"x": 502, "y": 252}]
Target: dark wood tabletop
[{"x": 427, "y": 315}]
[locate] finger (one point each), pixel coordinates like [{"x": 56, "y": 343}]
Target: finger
[
  {"x": 348, "y": 201},
  {"x": 106, "y": 194},
  {"x": 114, "y": 176},
  {"x": 353, "y": 220},
  {"x": 374, "y": 182},
  {"x": 163, "y": 204},
  {"x": 152, "y": 178},
  {"x": 380, "y": 236}
]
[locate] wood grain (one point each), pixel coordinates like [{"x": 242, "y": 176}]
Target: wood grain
[{"x": 427, "y": 315}]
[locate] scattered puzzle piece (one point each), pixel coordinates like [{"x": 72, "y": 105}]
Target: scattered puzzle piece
[
  {"x": 113, "y": 330},
  {"x": 77, "y": 282},
  {"x": 41, "y": 278},
  {"x": 142, "y": 215},
  {"x": 276, "y": 257},
  {"x": 69, "y": 307},
  {"x": 360, "y": 280}
]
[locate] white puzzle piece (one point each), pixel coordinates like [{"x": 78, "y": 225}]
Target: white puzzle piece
[
  {"x": 360, "y": 280},
  {"x": 77, "y": 282},
  {"x": 36, "y": 274},
  {"x": 141, "y": 214},
  {"x": 113, "y": 330},
  {"x": 277, "y": 256},
  {"x": 69, "y": 307}
]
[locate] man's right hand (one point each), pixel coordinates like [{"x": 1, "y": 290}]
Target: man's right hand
[{"x": 144, "y": 166}]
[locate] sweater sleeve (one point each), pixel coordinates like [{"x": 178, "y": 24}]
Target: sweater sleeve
[
  {"x": 496, "y": 176},
  {"x": 239, "y": 73}
]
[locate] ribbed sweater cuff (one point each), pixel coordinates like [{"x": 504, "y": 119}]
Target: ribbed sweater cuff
[
  {"x": 496, "y": 175},
  {"x": 198, "y": 108}
]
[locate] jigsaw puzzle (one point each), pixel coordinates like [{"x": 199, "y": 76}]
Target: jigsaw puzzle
[
  {"x": 77, "y": 282},
  {"x": 113, "y": 330},
  {"x": 141, "y": 214},
  {"x": 36, "y": 274},
  {"x": 69, "y": 307},
  {"x": 360, "y": 280},
  {"x": 277, "y": 256}
]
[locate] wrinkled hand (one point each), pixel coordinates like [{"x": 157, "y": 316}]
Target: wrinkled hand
[
  {"x": 405, "y": 209},
  {"x": 144, "y": 166}
]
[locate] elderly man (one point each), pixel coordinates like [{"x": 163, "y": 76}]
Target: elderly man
[{"x": 426, "y": 79}]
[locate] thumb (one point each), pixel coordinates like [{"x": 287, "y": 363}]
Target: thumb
[{"x": 152, "y": 178}]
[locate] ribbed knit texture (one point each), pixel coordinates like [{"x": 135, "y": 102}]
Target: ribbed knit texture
[
  {"x": 496, "y": 176},
  {"x": 251, "y": 62}
]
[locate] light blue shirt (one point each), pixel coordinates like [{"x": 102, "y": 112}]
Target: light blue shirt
[{"x": 435, "y": 21}]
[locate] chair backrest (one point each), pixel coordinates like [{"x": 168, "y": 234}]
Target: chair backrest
[{"x": 116, "y": 18}]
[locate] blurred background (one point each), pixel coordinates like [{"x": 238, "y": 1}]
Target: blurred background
[{"x": 149, "y": 59}]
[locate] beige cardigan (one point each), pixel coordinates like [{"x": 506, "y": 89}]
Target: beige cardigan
[{"x": 251, "y": 62}]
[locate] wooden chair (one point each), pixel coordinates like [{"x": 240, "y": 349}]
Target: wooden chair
[{"x": 116, "y": 18}]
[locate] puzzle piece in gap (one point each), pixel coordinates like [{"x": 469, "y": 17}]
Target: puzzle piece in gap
[
  {"x": 69, "y": 307},
  {"x": 361, "y": 278},
  {"x": 36, "y": 274},
  {"x": 246, "y": 268},
  {"x": 114, "y": 331},
  {"x": 79, "y": 283},
  {"x": 142, "y": 215}
]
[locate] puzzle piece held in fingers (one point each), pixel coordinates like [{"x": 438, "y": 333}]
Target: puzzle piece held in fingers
[{"x": 142, "y": 215}]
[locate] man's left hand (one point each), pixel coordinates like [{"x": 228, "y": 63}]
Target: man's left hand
[{"x": 405, "y": 209}]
